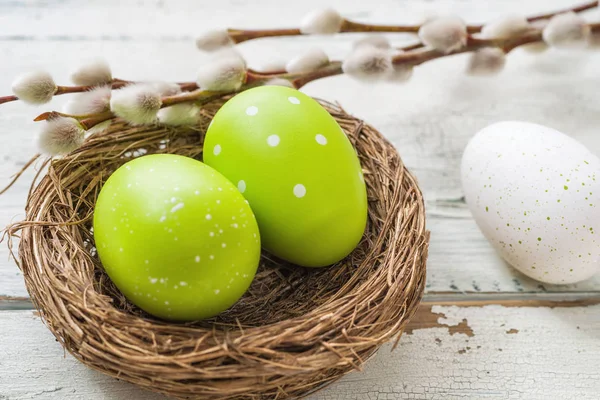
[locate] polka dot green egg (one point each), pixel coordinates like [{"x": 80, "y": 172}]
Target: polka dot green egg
[
  {"x": 176, "y": 237},
  {"x": 298, "y": 170}
]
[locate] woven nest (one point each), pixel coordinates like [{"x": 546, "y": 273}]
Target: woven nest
[{"x": 294, "y": 331}]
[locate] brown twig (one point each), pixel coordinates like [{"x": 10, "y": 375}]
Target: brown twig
[
  {"x": 239, "y": 35},
  {"x": 417, "y": 56},
  {"x": 89, "y": 123},
  {"x": 577, "y": 9},
  {"x": 6, "y": 99},
  {"x": 55, "y": 114}
]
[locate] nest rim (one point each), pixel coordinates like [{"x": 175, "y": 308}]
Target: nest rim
[{"x": 227, "y": 357}]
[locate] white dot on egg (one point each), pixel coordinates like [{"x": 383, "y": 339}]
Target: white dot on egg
[
  {"x": 223, "y": 245},
  {"x": 211, "y": 257},
  {"x": 217, "y": 150},
  {"x": 241, "y": 186},
  {"x": 176, "y": 207},
  {"x": 293, "y": 100},
  {"x": 211, "y": 234},
  {"x": 197, "y": 259},
  {"x": 217, "y": 291},
  {"x": 273, "y": 140},
  {"x": 299, "y": 190},
  {"x": 252, "y": 110},
  {"x": 208, "y": 216},
  {"x": 322, "y": 140}
]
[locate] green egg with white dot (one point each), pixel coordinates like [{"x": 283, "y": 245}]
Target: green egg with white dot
[
  {"x": 176, "y": 237},
  {"x": 297, "y": 169},
  {"x": 534, "y": 193}
]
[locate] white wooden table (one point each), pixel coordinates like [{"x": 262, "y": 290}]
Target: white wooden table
[{"x": 484, "y": 331}]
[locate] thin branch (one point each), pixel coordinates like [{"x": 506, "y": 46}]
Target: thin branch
[
  {"x": 89, "y": 123},
  {"x": 239, "y": 35},
  {"x": 577, "y": 9},
  {"x": 55, "y": 114},
  {"x": 6, "y": 99}
]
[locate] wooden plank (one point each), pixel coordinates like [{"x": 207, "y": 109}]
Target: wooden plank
[
  {"x": 448, "y": 352},
  {"x": 430, "y": 119}
]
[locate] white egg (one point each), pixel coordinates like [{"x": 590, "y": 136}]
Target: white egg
[{"x": 534, "y": 193}]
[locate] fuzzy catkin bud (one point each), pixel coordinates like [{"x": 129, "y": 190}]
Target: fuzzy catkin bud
[
  {"x": 400, "y": 73},
  {"x": 99, "y": 128},
  {"x": 445, "y": 34},
  {"x": 229, "y": 53},
  {"x": 322, "y": 22},
  {"x": 213, "y": 40},
  {"x": 279, "y": 82},
  {"x": 94, "y": 101},
  {"x": 92, "y": 73},
  {"x": 566, "y": 30},
  {"x": 368, "y": 64},
  {"x": 137, "y": 104},
  {"x": 537, "y": 47},
  {"x": 223, "y": 74},
  {"x": 34, "y": 87},
  {"x": 166, "y": 88},
  {"x": 60, "y": 136},
  {"x": 184, "y": 114},
  {"x": 377, "y": 41},
  {"x": 507, "y": 27},
  {"x": 309, "y": 61},
  {"x": 594, "y": 41},
  {"x": 272, "y": 65},
  {"x": 486, "y": 62}
]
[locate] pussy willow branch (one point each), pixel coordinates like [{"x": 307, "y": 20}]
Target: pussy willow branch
[
  {"x": 410, "y": 58},
  {"x": 115, "y": 84},
  {"x": 240, "y": 35}
]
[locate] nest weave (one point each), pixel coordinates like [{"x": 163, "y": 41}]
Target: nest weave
[{"x": 295, "y": 330}]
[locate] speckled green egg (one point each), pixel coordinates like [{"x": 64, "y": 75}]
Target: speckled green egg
[
  {"x": 296, "y": 167},
  {"x": 176, "y": 237}
]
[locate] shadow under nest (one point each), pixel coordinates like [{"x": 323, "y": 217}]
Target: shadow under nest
[{"x": 295, "y": 328}]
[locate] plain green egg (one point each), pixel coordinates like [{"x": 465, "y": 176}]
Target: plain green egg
[
  {"x": 298, "y": 170},
  {"x": 176, "y": 237}
]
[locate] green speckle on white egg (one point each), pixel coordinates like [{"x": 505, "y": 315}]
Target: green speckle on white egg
[
  {"x": 297, "y": 169},
  {"x": 163, "y": 230},
  {"x": 538, "y": 212}
]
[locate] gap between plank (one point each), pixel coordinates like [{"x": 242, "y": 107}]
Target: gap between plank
[{"x": 463, "y": 299}]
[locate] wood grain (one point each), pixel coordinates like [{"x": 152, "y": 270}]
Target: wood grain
[
  {"x": 430, "y": 119},
  {"x": 451, "y": 352}
]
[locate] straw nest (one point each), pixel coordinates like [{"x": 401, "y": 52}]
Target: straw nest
[{"x": 294, "y": 331}]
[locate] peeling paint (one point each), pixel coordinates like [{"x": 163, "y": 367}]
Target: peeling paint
[{"x": 427, "y": 318}]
